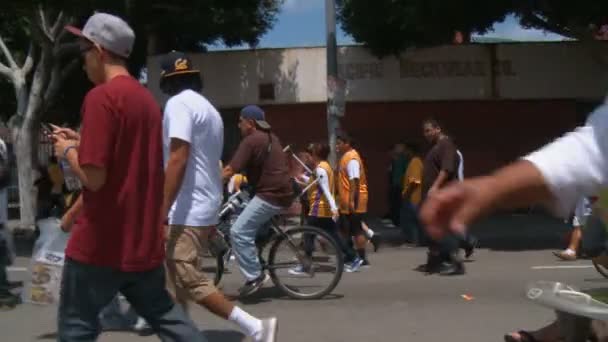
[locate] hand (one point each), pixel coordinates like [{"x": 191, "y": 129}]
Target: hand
[
  {"x": 455, "y": 207},
  {"x": 61, "y": 144},
  {"x": 335, "y": 215},
  {"x": 432, "y": 190},
  {"x": 67, "y": 221},
  {"x": 351, "y": 208},
  {"x": 66, "y": 133}
]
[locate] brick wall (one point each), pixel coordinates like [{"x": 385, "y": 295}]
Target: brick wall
[{"x": 489, "y": 133}]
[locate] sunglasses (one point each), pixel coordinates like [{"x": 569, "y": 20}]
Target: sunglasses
[{"x": 85, "y": 47}]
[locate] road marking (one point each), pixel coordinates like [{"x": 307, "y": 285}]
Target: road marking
[{"x": 556, "y": 267}]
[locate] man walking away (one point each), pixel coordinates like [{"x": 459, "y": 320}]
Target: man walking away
[
  {"x": 412, "y": 196},
  {"x": 399, "y": 163},
  {"x": 468, "y": 242},
  {"x": 193, "y": 137},
  {"x": 581, "y": 213},
  {"x": 117, "y": 245},
  {"x": 261, "y": 156},
  {"x": 352, "y": 194},
  {"x": 440, "y": 168}
]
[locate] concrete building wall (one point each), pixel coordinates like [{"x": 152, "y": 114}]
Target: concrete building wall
[
  {"x": 459, "y": 72},
  {"x": 497, "y": 101}
]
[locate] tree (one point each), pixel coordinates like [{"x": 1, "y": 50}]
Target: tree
[
  {"x": 392, "y": 26},
  {"x": 37, "y": 56},
  {"x": 36, "y": 74}
]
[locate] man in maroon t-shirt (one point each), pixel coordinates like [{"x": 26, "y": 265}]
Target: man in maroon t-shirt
[{"x": 117, "y": 245}]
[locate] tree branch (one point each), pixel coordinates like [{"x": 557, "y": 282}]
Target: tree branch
[
  {"x": 5, "y": 71},
  {"x": 7, "y": 53},
  {"x": 537, "y": 21},
  {"x": 29, "y": 61},
  {"x": 43, "y": 25},
  {"x": 58, "y": 25}
]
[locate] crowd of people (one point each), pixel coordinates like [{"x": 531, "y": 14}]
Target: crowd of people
[{"x": 152, "y": 190}]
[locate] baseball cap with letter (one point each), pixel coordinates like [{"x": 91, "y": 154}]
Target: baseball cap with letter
[
  {"x": 176, "y": 63},
  {"x": 109, "y": 31},
  {"x": 256, "y": 114}
]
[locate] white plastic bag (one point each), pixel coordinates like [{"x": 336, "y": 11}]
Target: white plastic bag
[{"x": 47, "y": 263}]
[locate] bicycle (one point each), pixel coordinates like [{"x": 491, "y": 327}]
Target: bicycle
[{"x": 296, "y": 254}]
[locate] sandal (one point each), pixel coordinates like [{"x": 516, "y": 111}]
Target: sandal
[{"x": 524, "y": 337}]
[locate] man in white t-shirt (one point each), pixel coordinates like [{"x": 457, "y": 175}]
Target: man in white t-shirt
[
  {"x": 193, "y": 139},
  {"x": 581, "y": 213},
  {"x": 460, "y": 166}
]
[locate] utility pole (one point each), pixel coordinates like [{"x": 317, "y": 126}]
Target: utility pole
[{"x": 333, "y": 122}]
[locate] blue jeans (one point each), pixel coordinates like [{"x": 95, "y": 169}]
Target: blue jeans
[
  {"x": 243, "y": 233},
  {"x": 410, "y": 225},
  {"x": 87, "y": 289},
  {"x": 4, "y": 262}
]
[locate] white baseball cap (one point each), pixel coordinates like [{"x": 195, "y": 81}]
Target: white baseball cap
[{"x": 109, "y": 31}]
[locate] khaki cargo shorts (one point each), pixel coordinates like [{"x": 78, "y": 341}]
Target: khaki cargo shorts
[{"x": 185, "y": 278}]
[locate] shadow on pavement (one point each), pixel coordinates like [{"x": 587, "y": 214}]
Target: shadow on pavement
[
  {"x": 211, "y": 335},
  {"x": 223, "y": 335},
  {"x": 501, "y": 232},
  {"x": 48, "y": 336},
  {"x": 266, "y": 294}
]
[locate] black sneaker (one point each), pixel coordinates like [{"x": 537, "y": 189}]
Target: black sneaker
[
  {"x": 470, "y": 248},
  {"x": 375, "y": 240},
  {"x": 252, "y": 286},
  {"x": 451, "y": 269},
  {"x": 9, "y": 302}
]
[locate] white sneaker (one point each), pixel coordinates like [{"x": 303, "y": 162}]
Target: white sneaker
[
  {"x": 141, "y": 325},
  {"x": 270, "y": 326},
  {"x": 354, "y": 266},
  {"x": 297, "y": 271}
]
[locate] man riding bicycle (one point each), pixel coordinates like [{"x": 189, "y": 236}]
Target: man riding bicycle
[{"x": 260, "y": 155}]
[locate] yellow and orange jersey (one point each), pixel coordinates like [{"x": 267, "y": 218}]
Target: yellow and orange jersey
[
  {"x": 318, "y": 202},
  {"x": 344, "y": 184}
]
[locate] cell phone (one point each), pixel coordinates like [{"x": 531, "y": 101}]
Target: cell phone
[{"x": 46, "y": 127}]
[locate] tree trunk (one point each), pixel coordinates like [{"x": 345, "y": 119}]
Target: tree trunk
[
  {"x": 21, "y": 134},
  {"x": 27, "y": 192},
  {"x": 23, "y": 149}
]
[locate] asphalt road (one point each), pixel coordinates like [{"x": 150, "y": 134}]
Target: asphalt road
[{"x": 387, "y": 302}]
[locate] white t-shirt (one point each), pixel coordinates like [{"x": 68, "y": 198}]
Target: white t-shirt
[
  {"x": 460, "y": 166},
  {"x": 324, "y": 183},
  {"x": 576, "y": 164},
  {"x": 353, "y": 169},
  {"x": 190, "y": 117}
]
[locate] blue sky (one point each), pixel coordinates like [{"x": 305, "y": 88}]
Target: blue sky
[{"x": 302, "y": 23}]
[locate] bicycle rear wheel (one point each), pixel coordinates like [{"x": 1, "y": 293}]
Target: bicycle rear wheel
[
  {"x": 303, "y": 276},
  {"x": 601, "y": 264}
]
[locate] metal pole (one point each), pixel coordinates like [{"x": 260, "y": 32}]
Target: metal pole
[{"x": 333, "y": 124}]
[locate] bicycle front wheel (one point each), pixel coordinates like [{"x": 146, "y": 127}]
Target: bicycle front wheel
[{"x": 305, "y": 263}]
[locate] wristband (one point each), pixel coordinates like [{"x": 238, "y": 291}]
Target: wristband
[{"x": 67, "y": 150}]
